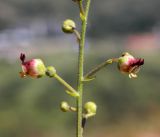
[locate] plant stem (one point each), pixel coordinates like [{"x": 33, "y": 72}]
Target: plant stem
[
  {"x": 81, "y": 7},
  {"x": 77, "y": 35},
  {"x": 65, "y": 84},
  {"x": 80, "y": 71}
]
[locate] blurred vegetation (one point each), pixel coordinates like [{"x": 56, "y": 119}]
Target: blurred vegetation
[
  {"x": 106, "y": 16},
  {"x": 30, "y": 107}
]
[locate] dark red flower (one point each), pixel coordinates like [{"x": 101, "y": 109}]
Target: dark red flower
[
  {"x": 34, "y": 67},
  {"x": 128, "y": 64}
]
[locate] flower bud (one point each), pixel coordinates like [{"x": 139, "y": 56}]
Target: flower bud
[
  {"x": 90, "y": 108},
  {"x": 34, "y": 68},
  {"x": 68, "y": 26},
  {"x": 65, "y": 106},
  {"x": 51, "y": 71},
  {"x": 130, "y": 65}
]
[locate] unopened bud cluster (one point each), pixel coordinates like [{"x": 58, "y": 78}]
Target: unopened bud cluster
[{"x": 35, "y": 68}]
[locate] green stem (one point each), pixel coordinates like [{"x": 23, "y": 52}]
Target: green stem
[
  {"x": 70, "y": 89},
  {"x": 91, "y": 73},
  {"x": 80, "y": 71},
  {"x": 80, "y": 4},
  {"x": 77, "y": 35}
]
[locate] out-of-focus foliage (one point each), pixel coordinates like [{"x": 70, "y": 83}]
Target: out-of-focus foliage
[{"x": 106, "y": 16}]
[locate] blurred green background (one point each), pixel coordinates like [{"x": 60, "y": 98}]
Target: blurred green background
[{"x": 126, "y": 107}]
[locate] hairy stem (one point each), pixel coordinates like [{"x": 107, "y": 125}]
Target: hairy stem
[{"x": 80, "y": 71}]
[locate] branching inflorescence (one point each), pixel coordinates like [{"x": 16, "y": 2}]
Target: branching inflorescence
[{"x": 35, "y": 68}]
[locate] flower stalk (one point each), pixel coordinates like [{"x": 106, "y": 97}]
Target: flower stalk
[
  {"x": 80, "y": 4},
  {"x": 70, "y": 90},
  {"x": 91, "y": 73},
  {"x": 78, "y": 36}
]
